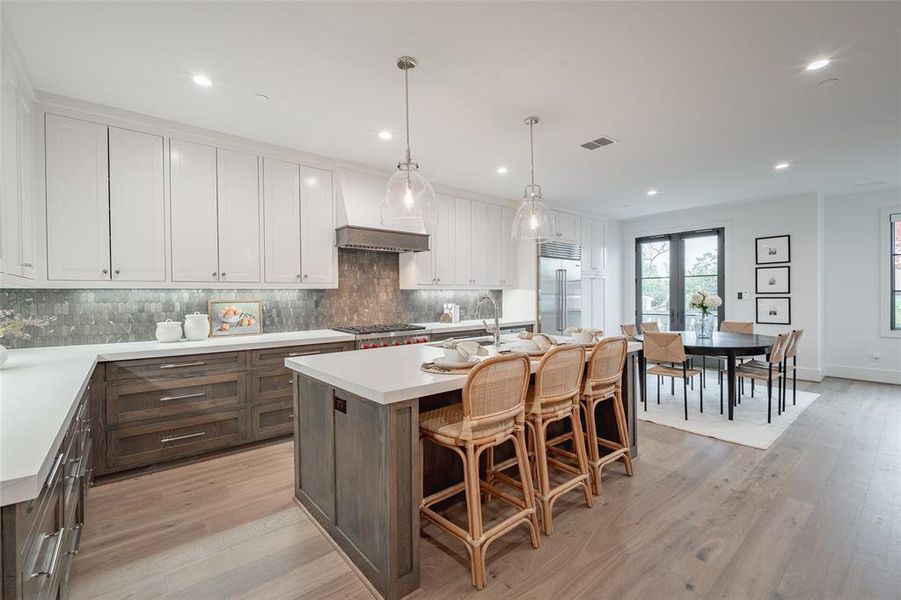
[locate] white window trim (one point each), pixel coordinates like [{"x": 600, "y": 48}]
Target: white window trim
[{"x": 885, "y": 251}]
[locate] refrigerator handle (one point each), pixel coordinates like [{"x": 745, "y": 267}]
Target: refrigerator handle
[
  {"x": 560, "y": 299},
  {"x": 563, "y": 296}
]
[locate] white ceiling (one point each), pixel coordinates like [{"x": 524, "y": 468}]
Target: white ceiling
[{"x": 704, "y": 98}]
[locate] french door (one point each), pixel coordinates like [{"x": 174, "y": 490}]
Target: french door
[{"x": 669, "y": 269}]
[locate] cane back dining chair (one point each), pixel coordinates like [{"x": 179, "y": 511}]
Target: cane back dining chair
[
  {"x": 603, "y": 382},
  {"x": 492, "y": 413},
  {"x": 629, "y": 331}
]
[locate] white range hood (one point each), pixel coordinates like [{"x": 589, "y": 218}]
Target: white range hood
[{"x": 360, "y": 196}]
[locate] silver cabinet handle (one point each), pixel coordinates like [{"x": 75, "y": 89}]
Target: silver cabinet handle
[
  {"x": 182, "y": 437},
  {"x": 305, "y": 353},
  {"x": 29, "y": 265},
  {"x": 56, "y": 465},
  {"x": 214, "y": 273},
  {"x": 291, "y": 415},
  {"x": 105, "y": 271},
  {"x": 74, "y": 461},
  {"x": 50, "y": 569},
  {"x": 77, "y": 531},
  {"x": 199, "y": 363},
  {"x": 182, "y": 397},
  {"x": 116, "y": 271},
  {"x": 222, "y": 274},
  {"x": 305, "y": 276}
]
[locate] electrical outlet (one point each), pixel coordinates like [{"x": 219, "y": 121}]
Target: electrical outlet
[{"x": 741, "y": 295}]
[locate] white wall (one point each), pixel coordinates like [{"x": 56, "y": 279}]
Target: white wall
[
  {"x": 798, "y": 216},
  {"x": 613, "y": 286},
  {"x": 853, "y": 289}
]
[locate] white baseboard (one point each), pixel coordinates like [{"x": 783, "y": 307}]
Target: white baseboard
[
  {"x": 809, "y": 374},
  {"x": 864, "y": 374}
]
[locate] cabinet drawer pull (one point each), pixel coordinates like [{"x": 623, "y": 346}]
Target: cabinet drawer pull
[
  {"x": 291, "y": 415},
  {"x": 309, "y": 352},
  {"x": 182, "y": 437},
  {"x": 75, "y": 544},
  {"x": 56, "y": 465},
  {"x": 50, "y": 569},
  {"x": 199, "y": 363},
  {"x": 182, "y": 397}
]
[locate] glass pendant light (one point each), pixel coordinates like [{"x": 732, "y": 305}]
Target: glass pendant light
[
  {"x": 409, "y": 199},
  {"x": 533, "y": 220}
]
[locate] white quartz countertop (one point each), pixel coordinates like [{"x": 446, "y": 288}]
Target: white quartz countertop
[
  {"x": 387, "y": 375},
  {"x": 40, "y": 389},
  {"x": 438, "y": 327}
]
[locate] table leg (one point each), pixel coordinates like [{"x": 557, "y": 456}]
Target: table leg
[{"x": 730, "y": 367}]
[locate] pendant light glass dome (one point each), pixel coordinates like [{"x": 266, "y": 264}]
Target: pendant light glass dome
[
  {"x": 533, "y": 220},
  {"x": 409, "y": 199}
]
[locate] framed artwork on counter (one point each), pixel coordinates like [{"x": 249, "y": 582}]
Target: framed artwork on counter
[{"x": 235, "y": 317}]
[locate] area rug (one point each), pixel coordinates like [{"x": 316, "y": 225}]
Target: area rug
[{"x": 749, "y": 427}]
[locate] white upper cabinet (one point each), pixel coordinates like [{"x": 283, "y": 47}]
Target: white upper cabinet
[
  {"x": 566, "y": 226},
  {"x": 137, "y": 206},
  {"x": 508, "y": 274},
  {"x": 16, "y": 190},
  {"x": 317, "y": 226},
  {"x": 436, "y": 267},
  {"x": 594, "y": 246},
  {"x": 78, "y": 244},
  {"x": 238, "y": 193},
  {"x": 462, "y": 243},
  {"x": 494, "y": 246},
  {"x": 479, "y": 270},
  {"x": 194, "y": 230},
  {"x": 593, "y": 290},
  {"x": 281, "y": 219}
]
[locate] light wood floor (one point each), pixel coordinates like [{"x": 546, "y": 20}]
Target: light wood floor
[{"x": 817, "y": 516}]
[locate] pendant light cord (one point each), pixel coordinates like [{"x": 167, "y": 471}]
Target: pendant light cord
[
  {"x": 407, "y": 110},
  {"x": 531, "y": 158}
]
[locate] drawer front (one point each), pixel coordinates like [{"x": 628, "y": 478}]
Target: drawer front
[
  {"x": 272, "y": 385},
  {"x": 275, "y": 357},
  {"x": 147, "y": 444},
  {"x": 128, "y": 403},
  {"x": 46, "y": 547},
  {"x": 272, "y": 420},
  {"x": 153, "y": 369}
]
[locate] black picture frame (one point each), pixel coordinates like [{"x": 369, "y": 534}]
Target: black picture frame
[
  {"x": 788, "y": 280},
  {"x": 788, "y": 310},
  {"x": 763, "y": 260}
]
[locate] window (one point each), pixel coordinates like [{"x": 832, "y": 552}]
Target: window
[
  {"x": 670, "y": 268},
  {"x": 895, "y": 272}
]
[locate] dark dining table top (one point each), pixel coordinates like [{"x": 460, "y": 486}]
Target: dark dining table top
[{"x": 722, "y": 342}]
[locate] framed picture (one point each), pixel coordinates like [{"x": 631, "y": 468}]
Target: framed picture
[
  {"x": 773, "y": 280},
  {"x": 774, "y": 311},
  {"x": 235, "y": 317},
  {"x": 773, "y": 249}
]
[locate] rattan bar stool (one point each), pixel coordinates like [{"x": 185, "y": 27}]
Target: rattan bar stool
[
  {"x": 492, "y": 413},
  {"x": 554, "y": 397},
  {"x": 603, "y": 382}
]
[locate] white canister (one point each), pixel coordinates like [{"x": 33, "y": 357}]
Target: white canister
[
  {"x": 168, "y": 331},
  {"x": 197, "y": 327}
]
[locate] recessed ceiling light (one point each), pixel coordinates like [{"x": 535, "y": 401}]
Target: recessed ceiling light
[
  {"x": 502, "y": 170},
  {"x": 781, "y": 166},
  {"x": 817, "y": 64},
  {"x": 652, "y": 192},
  {"x": 203, "y": 80},
  {"x": 385, "y": 135}
]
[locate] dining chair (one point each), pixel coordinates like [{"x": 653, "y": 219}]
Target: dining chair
[
  {"x": 629, "y": 331},
  {"x": 668, "y": 348},
  {"x": 746, "y": 327},
  {"x": 763, "y": 370},
  {"x": 650, "y": 327},
  {"x": 791, "y": 352},
  {"x": 603, "y": 381},
  {"x": 492, "y": 413}
]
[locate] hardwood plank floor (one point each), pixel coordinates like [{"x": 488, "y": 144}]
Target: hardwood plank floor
[{"x": 816, "y": 516}]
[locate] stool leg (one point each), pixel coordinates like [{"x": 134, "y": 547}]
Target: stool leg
[
  {"x": 721, "y": 393},
  {"x": 592, "y": 443},
  {"x": 579, "y": 449},
  {"x": 543, "y": 484},
  {"x": 489, "y": 471},
  {"x": 620, "y": 414},
  {"x": 519, "y": 444},
  {"x": 474, "y": 507},
  {"x": 795, "y": 381}
]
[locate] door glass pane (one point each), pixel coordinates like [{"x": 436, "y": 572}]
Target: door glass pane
[
  {"x": 654, "y": 303},
  {"x": 701, "y": 264},
  {"x": 897, "y": 283},
  {"x": 897, "y": 299},
  {"x": 896, "y": 227}
]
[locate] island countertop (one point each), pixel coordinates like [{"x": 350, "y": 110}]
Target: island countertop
[{"x": 387, "y": 375}]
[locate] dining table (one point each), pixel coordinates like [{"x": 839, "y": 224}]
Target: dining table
[{"x": 726, "y": 345}]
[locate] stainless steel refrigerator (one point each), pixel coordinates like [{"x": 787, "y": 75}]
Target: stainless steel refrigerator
[{"x": 559, "y": 286}]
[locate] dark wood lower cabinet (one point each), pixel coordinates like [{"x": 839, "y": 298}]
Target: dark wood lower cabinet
[{"x": 163, "y": 409}]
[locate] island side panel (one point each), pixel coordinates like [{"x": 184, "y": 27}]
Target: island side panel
[{"x": 366, "y": 455}]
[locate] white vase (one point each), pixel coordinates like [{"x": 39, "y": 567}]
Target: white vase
[
  {"x": 4, "y": 354},
  {"x": 197, "y": 327}
]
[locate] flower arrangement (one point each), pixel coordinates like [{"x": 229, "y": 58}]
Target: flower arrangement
[
  {"x": 15, "y": 327},
  {"x": 704, "y": 302}
]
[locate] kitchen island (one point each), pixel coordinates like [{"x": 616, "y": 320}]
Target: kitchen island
[{"x": 357, "y": 464}]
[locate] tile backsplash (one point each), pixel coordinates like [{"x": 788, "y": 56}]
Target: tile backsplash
[{"x": 368, "y": 293}]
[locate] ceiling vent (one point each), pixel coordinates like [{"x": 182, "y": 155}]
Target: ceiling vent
[{"x": 599, "y": 143}]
